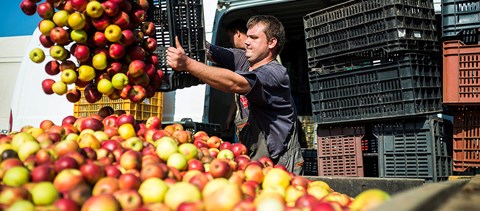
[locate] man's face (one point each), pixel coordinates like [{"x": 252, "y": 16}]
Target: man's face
[
  {"x": 237, "y": 39},
  {"x": 257, "y": 47}
]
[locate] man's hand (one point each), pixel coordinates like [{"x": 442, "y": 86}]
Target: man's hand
[{"x": 176, "y": 57}]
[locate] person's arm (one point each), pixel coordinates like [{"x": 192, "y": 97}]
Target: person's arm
[{"x": 219, "y": 78}]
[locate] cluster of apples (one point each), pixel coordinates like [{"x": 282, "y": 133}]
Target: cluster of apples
[
  {"x": 117, "y": 163},
  {"x": 105, "y": 47}
]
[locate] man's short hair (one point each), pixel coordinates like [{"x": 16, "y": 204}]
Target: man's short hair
[{"x": 273, "y": 29}]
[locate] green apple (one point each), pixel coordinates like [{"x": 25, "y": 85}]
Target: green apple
[
  {"x": 100, "y": 135},
  {"x": 189, "y": 150},
  {"x": 176, "y": 194},
  {"x": 44, "y": 193},
  {"x": 37, "y": 55},
  {"x": 21, "y": 205},
  {"x": 16, "y": 176},
  {"x": 68, "y": 76},
  {"x": 28, "y": 148},
  {"x": 99, "y": 61},
  {"x": 60, "y": 18},
  {"x": 153, "y": 190},
  {"x": 134, "y": 143},
  {"x": 119, "y": 81},
  {"x": 45, "y": 26},
  {"x": 59, "y": 88},
  {"x": 94, "y": 9},
  {"x": 166, "y": 146},
  {"x": 86, "y": 73},
  {"x": 20, "y": 138},
  {"x": 71, "y": 136},
  {"x": 226, "y": 153},
  {"x": 77, "y": 20},
  {"x": 178, "y": 161},
  {"x": 113, "y": 33},
  {"x": 79, "y": 36},
  {"x": 105, "y": 87},
  {"x": 58, "y": 52}
]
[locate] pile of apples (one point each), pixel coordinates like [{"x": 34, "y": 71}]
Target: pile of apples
[
  {"x": 102, "y": 47},
  {"x": 118, "y": 163}
]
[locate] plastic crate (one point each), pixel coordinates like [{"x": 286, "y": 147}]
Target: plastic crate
[
  {"x": 408, "y": 85},
  {"x": 460, "y": 16},
  {"x": 340, "y": 151},
  {"x": 414, "y": 148},
  {"x": 141, "y": 111},
  {"x": 310, "y": 165},
  {"x": 210, "y": 128},
  {"x": 182, "y": 18},
  {"x": 461, "y": 73},
  {"x": 466, "y": 139},
  {"x": 361, "y": 25}
]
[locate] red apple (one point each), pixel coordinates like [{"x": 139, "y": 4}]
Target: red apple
[
  {"x": 52, "y": 67},
  {"x": 112, "y": 171},
  {"x": 225, "y": 145},
  {"x": 266, "y": 161},
  {"x": 42, "y": 173},
  {"x": 99, "y": 39},
  {"x": 101, "y": 202},
  {"x": 128, "y": 181},
  {"x": 59, "y": 36},
  {"x": 92, "y": 172},
  {"x": 28, "y": 7},
  {"x": 64, "y": 204},
  {"x": 239, "y": 149},
  {"x": 110, "y": 8},
  {"x": 65, "y": 162},
  {"x": 195, "y": 164},
  {"x": 45, "y": 10},
  {"x": 220, "y": 168},
  {"x": 131, "y": 159},
  {"x": 214, "y": 142},
  {"x": 122, "y": 19},
  {"x": 129, "y": 199},
  {"x": 45, "y": 39},
  {"x": 242, "y": 161},
  {"x": 125, "y": 119}
]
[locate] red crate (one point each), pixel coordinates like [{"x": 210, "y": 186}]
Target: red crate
[
  {"x": 461, "y": 73},
  {"x": 340, "y": 151},
  {"x": 466, "y": 139}
]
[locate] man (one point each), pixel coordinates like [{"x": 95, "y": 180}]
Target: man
[{"x": 271, "y": 129}]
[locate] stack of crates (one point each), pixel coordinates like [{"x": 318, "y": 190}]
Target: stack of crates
[
  {"x": 184, "y": 19},
  {"x": 375, "y": 63},
  {"x": 461, "y": 79}
]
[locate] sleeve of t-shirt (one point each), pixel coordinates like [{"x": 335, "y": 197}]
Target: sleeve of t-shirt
[
  {"x": 255, "y": 94},
  {"x": 223, "y": 57}
]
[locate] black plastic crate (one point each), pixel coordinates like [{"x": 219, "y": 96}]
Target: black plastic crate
[
  {"x": 404, "y": 85},
  {"x": 460, "y": 19},
  {"x": 182, "y": 18},
  {"x": 364, "y": 25},
  {"x": 415, "y": 148},
  {"x": 310, "y": 165},
  {"x": 210, "y": 128}
]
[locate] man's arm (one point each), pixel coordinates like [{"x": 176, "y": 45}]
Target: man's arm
[{"x": 219, "y": 78}]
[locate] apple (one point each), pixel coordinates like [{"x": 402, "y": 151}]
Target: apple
[
  {"x": 90, "y": 92},
  {"x": 99, "y": 39},
  {"x": 67, "y": 179},
  {"x": 58, "y": 52},
  {"x": 128, "y": 37},
  {"x": 125, "y": 119},
  {"x": 110, "y": 8},
  {"x": 79, "y": 194},
  {"x": 59, "y": 88},
  {"x": 213, "y": 152},
  {"x": 128, "y": 199},
  {"x": 220, "y": 168},
  {"x": 66, "y": 146},
  {"x": 136, "y": 52},
  {"x": 195, "y": 164},
  {"x": 131, "y": 159},
  {"x": 105, "y": 87},
  {"x": 22, "y": 205},
  {"x": 121, "y": 19},
  {"x": 136, "y": 68},
  {"x": 153, "y": 190},
  {"x": 67, "y": 64},
  {"x": 177, "y": 160},
  {"x": 137, "y": 94},
  {"x": 28, "y": 7},
  {"x": 60, "y": 18},
  {"x": 300, "y": 181},
  {"x": 189, "y": 150},
  {"x": 91, "y": 123},
  {"x": 200, "y": 143},
  {"x": 99, "y": 61},
  {"x": 45, "y": 10},
  {"x": 292, "y": 193},
  {"x": 81, "y": 52},
  {"x": 69, "y": 119},
  {"x": 242, "y": 161},
  {"x": 100, "y": 24},
  {"x": 126, "y": 130},
  {"x": 224, "y": 198},
  {"x": 166, "y": 146},
  {"x": 113, "y": 33},
  {"x": 44, "y": 193},
  {"x": 139, "y": 16},
  {"x": 148, "y": 28},
  {"x": 318, "y": 191},
  {"x": 134, "y": 143},
  {"x": 105, "y": 185},
  {"x": 77, "y": 20},
  {"x": 79, "y": 36},
  {"x": 9, "y": 195},
  {"x": 368, "y": 199},
  {"x": 79, "y": 5},
  {"x": 116, "y": 51},
  {"x": 37, "y": 55},
  {"x": 153, "y": 170},
  {"x": 59, "y": 36},
  {"x": 239, "y": 149},
  {"x": 115, "y": 67},
  {"x": 112, "y": 171},
  {"x": 254, "y": 172},
  {"x": 110, "y": 121},
  {"x": 45, "y": 26},
  {"x": 226, "y": 153},
  {"x": 86, "y": 73},
  {"x": 92, "y": 172},
  {"x": 128, "y": 181},
  {"x": 65, "y": 162},
  {"x": 45, "y": 39},
  {"x": 68, "y": 76},
  {"x": 101, "y": 202},
  {"x": 73, "y": 95},
  {"x": 64, "y": 204},
  {"x": 175, "y": 195},
  {"x": 214, "y": 142},
  {"x": 94, "y": 9},
  {"x": 266, "y": 161},
  {"x": 16, "y": 176},
  {"x": 150, "y": 44},
  {"x": 306, "y": 201}
]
